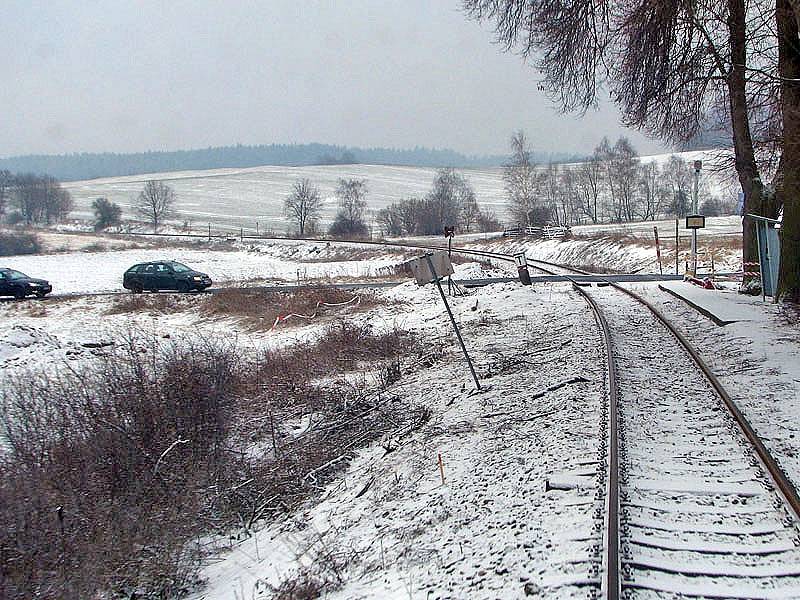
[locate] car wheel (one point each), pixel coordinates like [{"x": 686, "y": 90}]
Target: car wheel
[
  {"x": 136, "y": 288},
  {"x": 20, "y": 293},
  {"x": 41, "y": 294},
  {"x": 183, "y": 287}
]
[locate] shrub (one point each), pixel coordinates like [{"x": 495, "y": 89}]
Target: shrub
[
  {"x": 108, "y": 473},
  {"x": 106, "y": 213},
  {"x": 12, "y": 244}
]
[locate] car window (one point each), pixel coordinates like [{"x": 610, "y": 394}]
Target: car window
[
  {"x": 150, "y": 269},
  {"x": 162, "y": 268},
  {"x": 15, "y": 274},
  {"x": 179, "y": 268},
  {"x": 2, "y": 275}
]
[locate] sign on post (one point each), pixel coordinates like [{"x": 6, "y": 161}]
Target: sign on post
[
  {"x": 421, "y": 270},
  {"x": 426, "y": 270},
  {"x": 695, "y": 221}
]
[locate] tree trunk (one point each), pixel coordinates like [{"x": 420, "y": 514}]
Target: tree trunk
[
  {"x": 746, "y": 167},
  {"x": 789, "y": 71}
]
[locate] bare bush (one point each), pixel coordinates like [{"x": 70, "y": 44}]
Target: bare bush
[
  {"x": 12, "y": 244},
  {"x": 108, "y": 473}
]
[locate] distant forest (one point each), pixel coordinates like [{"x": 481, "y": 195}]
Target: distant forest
[{"x": 75, "y": 167}]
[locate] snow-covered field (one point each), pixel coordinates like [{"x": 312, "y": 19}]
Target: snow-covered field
[
  {"x": 243, "y": 197},
  {"x": 89, "y": 272}
]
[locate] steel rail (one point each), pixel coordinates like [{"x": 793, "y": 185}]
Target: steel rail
[{"x": 780, "y": 480}]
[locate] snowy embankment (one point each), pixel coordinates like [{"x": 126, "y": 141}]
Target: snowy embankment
[
  {"x": 487, "y": 524},
  {"x": 629, "y": 248}
]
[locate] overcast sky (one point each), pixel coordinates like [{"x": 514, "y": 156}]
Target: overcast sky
[{"x": 118, "y": 75}]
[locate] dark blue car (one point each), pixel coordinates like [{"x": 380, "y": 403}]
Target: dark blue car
[
  {"x": 17, "y": 284},
  {"x": 164, "y": 275}
]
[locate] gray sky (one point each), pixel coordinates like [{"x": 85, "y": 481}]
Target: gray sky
[{"x": 118, "y": 75}]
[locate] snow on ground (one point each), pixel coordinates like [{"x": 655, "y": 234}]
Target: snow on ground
[
  {"x": 493, "y": 528},
  {"x": 631, "y": 247},
  {"x": 757, "y": 361},
  {"x": 242, "y": 197},
  {"x": 76, "y": 272}
]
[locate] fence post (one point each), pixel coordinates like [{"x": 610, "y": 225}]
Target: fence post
[
  {"x": 209, "y": 232},
  {"x": 658, "y": 250}
]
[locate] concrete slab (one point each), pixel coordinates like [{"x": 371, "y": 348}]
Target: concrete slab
[{"x": 721, "y": 306}]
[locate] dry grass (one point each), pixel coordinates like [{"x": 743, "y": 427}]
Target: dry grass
[
  {"x": 344, "y": 253},
  {"x": 252, "y": 308},
  {"x": 110, "y": 472},
  {"x": 152, "y": 303}
]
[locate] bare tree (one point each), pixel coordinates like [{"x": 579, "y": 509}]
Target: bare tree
[
  {"x": 6, "y": 187},
  {"x": 155, "y": 202},
  {"x": 520, "y": 180},
  {"x": 678, "y": 182},
  {"x": 549, "y": 187},
  {"x": 673, "y": 68},
  {"x": 590, "y": 183},
  {"x": 389, "y": 220},
  {"x": 444, "y": 204},
  {"x": 349, "y": 220},
  {"x": 303, "y": 206},
  {"x": 651, "y": 191},
  {"x": 106, "y": 213},
  {"x": 788, "y": 17},
  {"x": 41, "y": 199},
  {"x": 470, "y": 213}
]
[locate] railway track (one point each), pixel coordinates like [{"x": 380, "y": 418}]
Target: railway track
[{"x": 696, "y": 507}]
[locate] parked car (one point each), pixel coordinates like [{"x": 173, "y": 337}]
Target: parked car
[
  {"x": 164, "y": 275},
  {"x": 17, "y": 284}
]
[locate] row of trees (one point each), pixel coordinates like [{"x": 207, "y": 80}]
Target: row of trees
[
  {"x": 612, "y": 185},
  {"x": 451, "y": 202},
  {"x": 40, "y": 199},
  {"x": 304, "y": 204},
  {"x": 677, "y": 70},
  {"x": 33, "y": 199}
]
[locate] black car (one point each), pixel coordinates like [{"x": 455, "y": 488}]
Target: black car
[
  {"x": 164, "y": 275},
  {"x": 19, "y": 285}
]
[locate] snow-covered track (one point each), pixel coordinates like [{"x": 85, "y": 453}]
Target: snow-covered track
[{"x": 696, "y": 505}]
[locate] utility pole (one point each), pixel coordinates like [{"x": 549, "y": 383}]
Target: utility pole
[{"x": 698, "y": 164}]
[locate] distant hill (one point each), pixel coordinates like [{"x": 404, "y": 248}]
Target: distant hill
[{"x": 75, "y": 167}]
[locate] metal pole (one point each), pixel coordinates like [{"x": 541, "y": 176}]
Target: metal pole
[
  {"x": 450, "y": 257},
  {"x": 209, "y": 232},
  {"x": 677, "y": 246},
  {"x": 694, "y": 212},
  {"x": 452, "y": 320}
]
